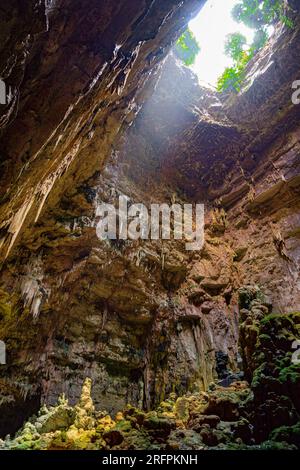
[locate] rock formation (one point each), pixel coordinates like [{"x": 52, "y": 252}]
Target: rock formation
[{"x": 99, "y": 107}]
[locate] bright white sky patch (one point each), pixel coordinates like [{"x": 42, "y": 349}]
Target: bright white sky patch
[{"x": 211, "y": 27}]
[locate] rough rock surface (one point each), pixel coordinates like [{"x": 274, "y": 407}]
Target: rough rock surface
[{"x": 142, "y": 320}]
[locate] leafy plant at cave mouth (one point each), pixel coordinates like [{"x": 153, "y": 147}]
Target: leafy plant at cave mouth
[
  {"x": 187, "y": 48},
  {"x": 257, "y": 14}
]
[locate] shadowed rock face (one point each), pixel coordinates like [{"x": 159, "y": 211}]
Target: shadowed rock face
[{"x": 142, "y": 319}]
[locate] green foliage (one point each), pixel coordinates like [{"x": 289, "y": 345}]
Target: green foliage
[
  {"x": 187, "y": 48},
  {"x": 232, "y": 77},
  {"x": 260, "y": 39},
  {"x": 290, "y": 374},
  {"x": 257, "y": 14},
  {"x": 289, "y": 434}
]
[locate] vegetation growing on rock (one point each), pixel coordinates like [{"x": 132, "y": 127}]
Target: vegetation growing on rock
[
  {"x": 187, "y": 48},
  {"x": 265, "y": 415},
  {"x": 144, "y": 319},
  {"x": 259, "y": 13},
  {"x": 266, "y": 344}
]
